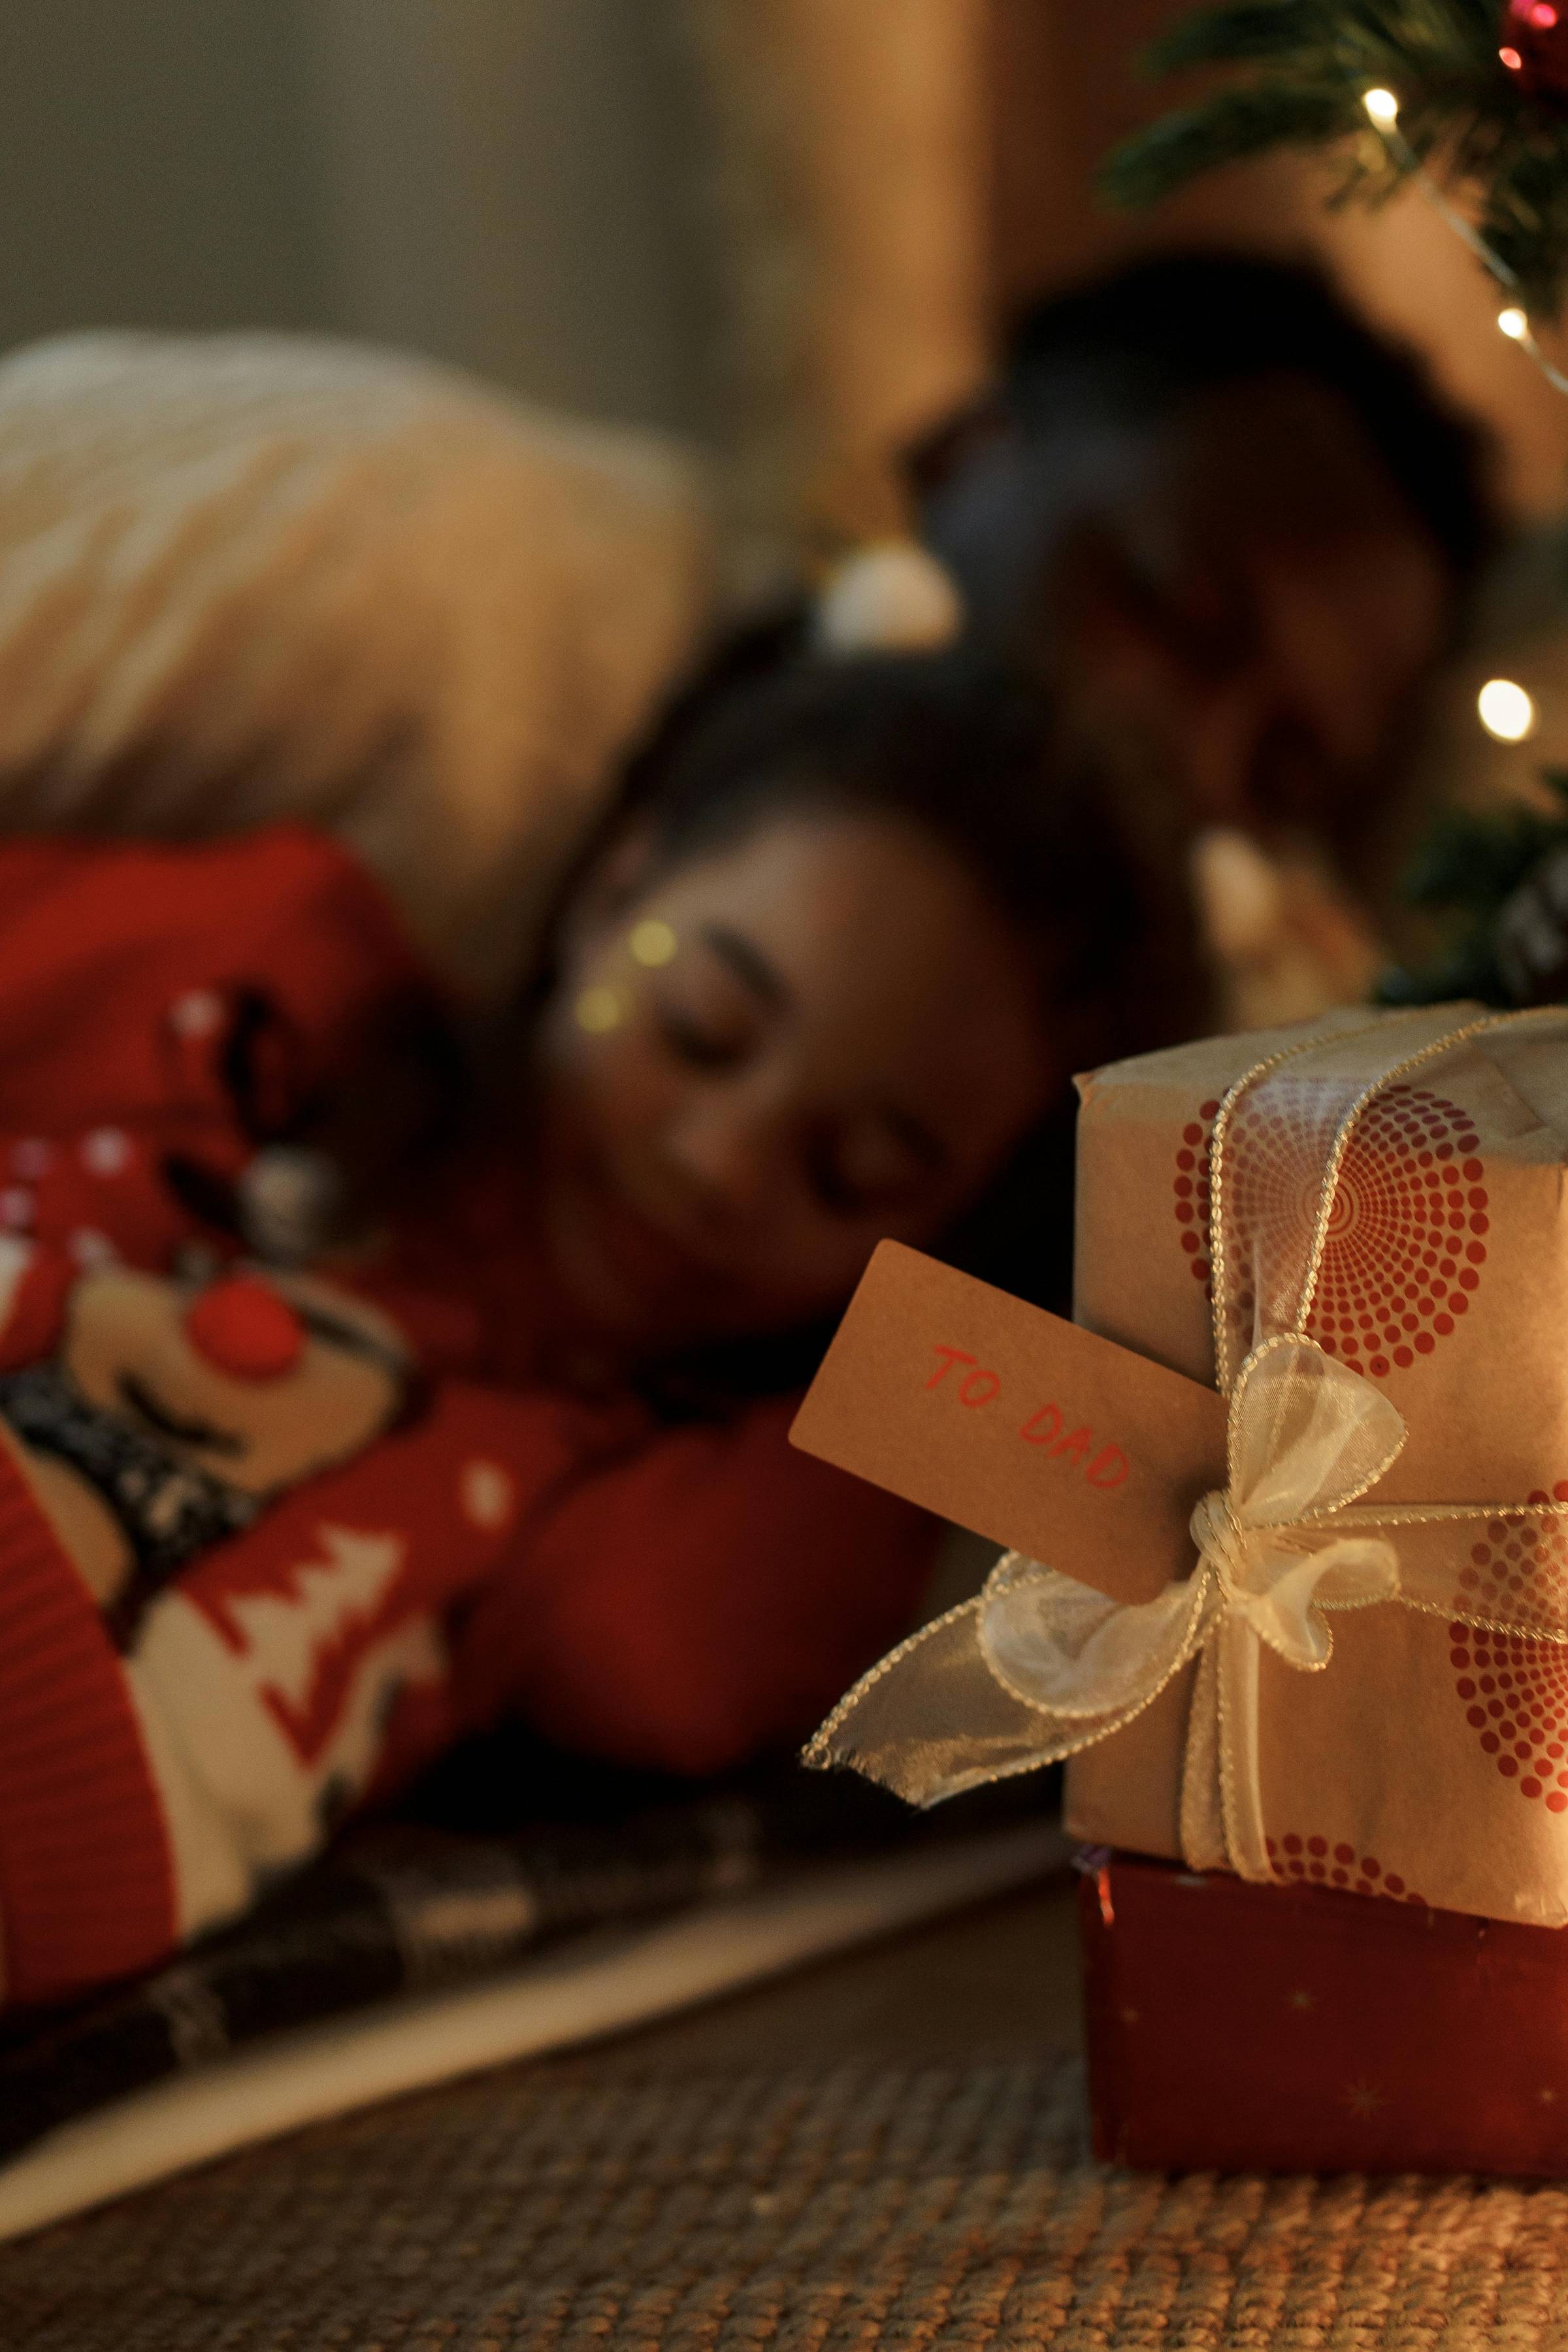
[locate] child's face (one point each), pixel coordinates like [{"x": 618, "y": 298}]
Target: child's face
[{"x": 776, "y": 1054}]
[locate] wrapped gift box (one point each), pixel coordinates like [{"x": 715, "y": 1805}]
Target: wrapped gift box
[
  {"x": 1289, "y": 1501},
  {"x": 1297, "y": 2029},
  {"x": 1289, "y": 1498},
  {"x": 1439, "y": 1746}
]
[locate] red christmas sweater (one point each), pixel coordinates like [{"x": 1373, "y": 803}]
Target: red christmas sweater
[{"x": 673, "y": 1597}]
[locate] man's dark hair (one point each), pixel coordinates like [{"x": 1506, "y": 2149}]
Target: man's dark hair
[{"x": 1144, "y": 340}]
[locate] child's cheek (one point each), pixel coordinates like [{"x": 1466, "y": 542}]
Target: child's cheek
[{"x": 624, "y": 1080}]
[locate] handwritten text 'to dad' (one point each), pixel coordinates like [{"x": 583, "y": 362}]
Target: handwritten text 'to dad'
[{"x": 1105, "y": 1465}]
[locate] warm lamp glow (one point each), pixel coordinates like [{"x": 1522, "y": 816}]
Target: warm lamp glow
[
  {"x": 1383, "y": 107},
  {"x": 1507, "y": 712},
  {"x": 1514, "y": 325}
]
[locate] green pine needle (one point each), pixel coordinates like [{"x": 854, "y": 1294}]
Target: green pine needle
[
  {"x": 1228, "y": 129},
  {"x": 1235, "y": 36},
  {"x": 1465, "y": 872}
]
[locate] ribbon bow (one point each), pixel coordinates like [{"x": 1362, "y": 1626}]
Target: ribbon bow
[
  {"x": 1306, "y": 1438},
  {"x": 1069, "y": 1666}
]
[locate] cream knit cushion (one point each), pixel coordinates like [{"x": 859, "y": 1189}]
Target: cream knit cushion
[{"x": 244, "y": 577}]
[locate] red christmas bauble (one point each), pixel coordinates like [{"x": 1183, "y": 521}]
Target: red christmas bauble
[{"x": 1534, "y": 45}]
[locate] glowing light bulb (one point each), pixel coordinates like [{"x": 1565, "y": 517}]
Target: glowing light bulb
[
  {"x": 1383, "y": 107},
  {"x": 1507, "y": 712},
  {"x": 1512, "y": 60},
  {"x": 598, "y": 1010},
  {"x": 651, "y": 942},
  {"x": 1514, "y": 325}
]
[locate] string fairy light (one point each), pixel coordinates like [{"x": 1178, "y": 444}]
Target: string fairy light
[
  {"x": 1502, "y": 706},
  {"x": 1505, "y": 710},
  {"x": 1381, "y": 109},
  {"x": 1513, "y": 323}
]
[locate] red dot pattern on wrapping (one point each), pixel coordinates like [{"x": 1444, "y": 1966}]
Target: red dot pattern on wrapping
[
  {"x": 1408, "y": 1237},
  {"x": 1297, "y": 1859},
  {"x": 1513, "y": 1689}
]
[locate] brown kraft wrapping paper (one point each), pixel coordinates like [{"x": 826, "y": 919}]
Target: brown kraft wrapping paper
[{"x": 1427, "y": 1760}]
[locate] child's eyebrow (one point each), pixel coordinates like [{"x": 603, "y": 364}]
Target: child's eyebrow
[{"x": 746, "y": 963}]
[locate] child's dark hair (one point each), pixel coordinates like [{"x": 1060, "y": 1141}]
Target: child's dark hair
[
  {"x": 949, "y": 744},
  {"x": 960, "y": 750},
  {"x": 1143, "y": 341}
]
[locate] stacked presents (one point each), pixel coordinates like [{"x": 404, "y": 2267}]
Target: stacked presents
[{"x": 1299, "y": 1471}]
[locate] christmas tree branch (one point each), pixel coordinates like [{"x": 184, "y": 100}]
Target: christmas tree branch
[
  {"x": 1297, "y": 76},
  {"x": 1229, "y": 129}
]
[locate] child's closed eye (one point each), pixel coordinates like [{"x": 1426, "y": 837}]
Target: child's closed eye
[{"x": 710, "y": 1044}]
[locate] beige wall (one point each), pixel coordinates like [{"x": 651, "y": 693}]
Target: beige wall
[
  {"x": 852, "y": 182},
  {"x": 518, "y": 186},
  {"x": 157, "y": 167},
  {"x": 511, "y": 185}
]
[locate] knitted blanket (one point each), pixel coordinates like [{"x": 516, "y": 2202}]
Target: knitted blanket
[{"x": 468, "y": 1880}]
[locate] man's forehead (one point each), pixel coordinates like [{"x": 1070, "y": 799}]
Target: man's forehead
[
  {"x": 1283, "y": 456},
  {"x": 1279, "y": 456}
]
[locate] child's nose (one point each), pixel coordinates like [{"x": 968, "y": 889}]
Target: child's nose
[
  {"x": 724, "y": 1158},
  {"x": 244, "y": 1328}
]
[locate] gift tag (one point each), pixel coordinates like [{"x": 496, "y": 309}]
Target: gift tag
[{"x": 1028, "y": 1428}]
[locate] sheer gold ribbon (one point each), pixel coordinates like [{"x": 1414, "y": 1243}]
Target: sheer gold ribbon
[{"x": 1040, "y": 1665}]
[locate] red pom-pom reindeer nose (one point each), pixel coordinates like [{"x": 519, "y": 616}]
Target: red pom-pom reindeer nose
[{"x": 243, "y": 1328}]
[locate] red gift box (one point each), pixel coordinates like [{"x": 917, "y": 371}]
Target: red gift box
[{"x": 1258, "y": 2028}]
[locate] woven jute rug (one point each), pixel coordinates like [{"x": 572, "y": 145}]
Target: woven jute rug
[{"x": 916, "y": 2206}]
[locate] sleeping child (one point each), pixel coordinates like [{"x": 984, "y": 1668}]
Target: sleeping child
[{"x": 511, "y": 1437}]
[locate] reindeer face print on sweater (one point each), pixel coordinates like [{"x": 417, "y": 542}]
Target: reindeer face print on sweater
[{"x": 172, "y": 1413}]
